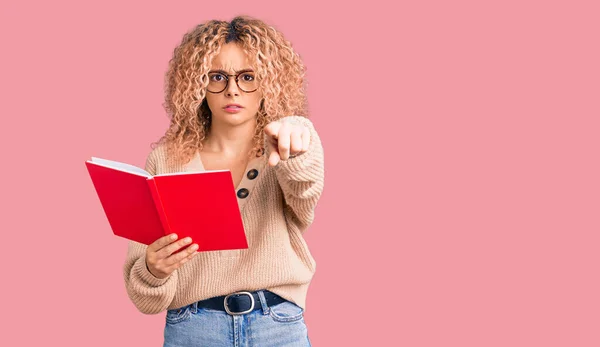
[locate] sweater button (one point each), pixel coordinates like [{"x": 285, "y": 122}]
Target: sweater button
[
  {"x": 252, "y": 174},
  {"x": 242, "y": 193}
]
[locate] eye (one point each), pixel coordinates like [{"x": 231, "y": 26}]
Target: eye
[
  {"x": 247, "y": 77},
  {"x": 217, "y": 77}
]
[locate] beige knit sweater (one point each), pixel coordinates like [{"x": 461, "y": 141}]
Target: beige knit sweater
[{"x": 277, "y": 211}]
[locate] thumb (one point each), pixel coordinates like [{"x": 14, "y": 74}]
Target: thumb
[{"x": 274, "y": 156}]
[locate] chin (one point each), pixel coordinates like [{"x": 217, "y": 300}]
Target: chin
[{"x": 234, "y": 118}]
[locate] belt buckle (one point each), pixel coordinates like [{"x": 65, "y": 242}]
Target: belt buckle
[{"x": 243, "y": 312}]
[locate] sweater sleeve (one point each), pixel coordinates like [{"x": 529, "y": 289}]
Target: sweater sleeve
[
  {"x": 302, "y": 178},
  {"x": 151, "y": 295}
]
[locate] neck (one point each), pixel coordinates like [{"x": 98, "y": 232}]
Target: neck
[{"x": 228, "y": 140}]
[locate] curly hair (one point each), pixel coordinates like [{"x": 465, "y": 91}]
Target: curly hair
[{"x": 279, "y": 70}]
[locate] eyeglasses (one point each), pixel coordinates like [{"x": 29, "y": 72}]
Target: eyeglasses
[{"x": 245, "y": 80}]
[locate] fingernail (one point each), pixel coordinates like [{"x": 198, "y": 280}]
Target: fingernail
[
  {"x": 194, "y": 247},
  {"x": 173, "y": 237},
  {"x": 187, "y": 240}
]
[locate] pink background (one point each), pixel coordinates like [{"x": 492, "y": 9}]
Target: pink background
[{"x": 461, "y": 138}]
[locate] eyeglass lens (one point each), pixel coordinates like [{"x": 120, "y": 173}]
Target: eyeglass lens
[{"x": 246, "y": 81}]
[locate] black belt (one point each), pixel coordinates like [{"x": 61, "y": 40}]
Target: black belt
[{"x": 240, "y": 302}]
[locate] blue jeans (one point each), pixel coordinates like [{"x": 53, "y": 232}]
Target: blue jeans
[{"x": 281, "y": 325}]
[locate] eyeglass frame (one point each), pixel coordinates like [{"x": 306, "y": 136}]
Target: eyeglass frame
[{"x": 237, "y": 76}]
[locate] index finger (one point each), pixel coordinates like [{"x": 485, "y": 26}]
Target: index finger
[
  {"x": 162, "y": 242},
  {"x": 272, "y": 129}
]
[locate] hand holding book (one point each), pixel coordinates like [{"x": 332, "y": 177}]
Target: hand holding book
[{"x": 161, "y": 260}]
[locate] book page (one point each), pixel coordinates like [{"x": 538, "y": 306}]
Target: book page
[
  {"x": 120, "y": 166},
  {"x": 191, "y": 172}
]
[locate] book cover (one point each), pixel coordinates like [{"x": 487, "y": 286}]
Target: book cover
[{"x": 143, "y": 208}]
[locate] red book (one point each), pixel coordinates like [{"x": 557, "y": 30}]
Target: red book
[{"x": 144, "y": 208}]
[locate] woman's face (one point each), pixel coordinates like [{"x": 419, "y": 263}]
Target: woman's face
[{"x": 233, "y": 105}]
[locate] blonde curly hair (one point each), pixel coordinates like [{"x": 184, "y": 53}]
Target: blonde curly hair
[{"x": 278, "y": 67}]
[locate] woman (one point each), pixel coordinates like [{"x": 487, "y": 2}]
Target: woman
[{"x": 235, "y": 96}]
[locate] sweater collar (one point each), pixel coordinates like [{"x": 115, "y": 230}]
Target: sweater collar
[{"x": 252, "y": 174}]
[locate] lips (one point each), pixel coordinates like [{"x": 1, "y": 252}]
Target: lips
[{"x": 233, "y": 106}]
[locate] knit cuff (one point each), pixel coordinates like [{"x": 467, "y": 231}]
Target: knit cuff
[{"x": 140, "y": 271}]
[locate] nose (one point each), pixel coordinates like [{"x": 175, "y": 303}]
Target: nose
[{"x": 232, "y": 88}]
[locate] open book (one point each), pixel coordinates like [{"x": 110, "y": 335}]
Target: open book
[{"x": 143, "y": 208}]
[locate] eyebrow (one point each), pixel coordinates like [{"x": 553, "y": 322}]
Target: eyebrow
[{"x": 237, "y": 72}]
